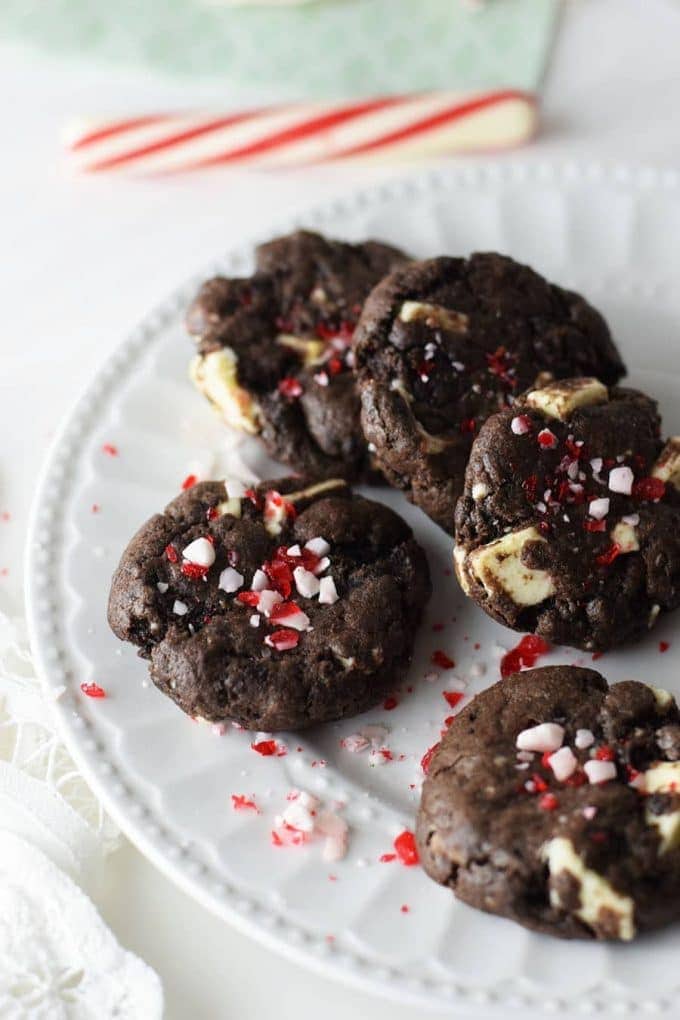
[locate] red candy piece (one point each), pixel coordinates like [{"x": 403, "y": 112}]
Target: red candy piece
[
  {"x": 427, "y": 758},
  {"x": 290, "y": 387},
  {"x": 530, "y": 486},
  {"x": 649, "y": 489},
  {"x": 548, "y": 802},
  {"x": 212, "y": 513},
  {"x": 283, "y": 640},
  {"x": 171, "y": 553},
  {"x": 283, "y": 611},
  {"x": 606, "y": 558},
  {"x": 93, "y": 690},
  {"x": 406, "y": 849},
  {"x": 499, "y": 364},
  {"x": 189, "y": 482},
  {"x": 280, "y": 575},
  {"x": 390, "y": 703},
  {"x": 255, "y": 498},
  {"x": 239, "y": 802},
  {"x": 547, "y": 439},
  {"x": 110, "y": 449},
  {"x": 194, "y": 571},
  {"x": 577, "y": 778},
  {"x": 605, "y": 753},
  {"x": 526, "y": 653},
  {"x": 539, "y": 783},
  {"x": 345, "y": 331},
  {"x": 386, "y": 858},
  {"x": 265, "y": 747},
  {"x": 468, "y": 426},
  {"x": 249, "y": 598},
  {"x": 595, "y": 525},
  {"x": 441, "y": 659},
  {"x": 453, "y": 697},
  {"x": 334, "y": 366},
  {"x": 664, "y": 646}
]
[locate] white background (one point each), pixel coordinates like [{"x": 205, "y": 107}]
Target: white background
[{"x": 82, "y": 260}]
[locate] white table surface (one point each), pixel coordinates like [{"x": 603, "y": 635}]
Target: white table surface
[{"x": 82, "y": 260}]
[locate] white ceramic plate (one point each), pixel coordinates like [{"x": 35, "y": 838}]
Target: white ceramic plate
[{"x": 168, "y": 782}]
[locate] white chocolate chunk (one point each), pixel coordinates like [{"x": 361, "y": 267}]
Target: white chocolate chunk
[
  {"x": 235, "y": 488},
  {"x": 597, "y": 896},
  {"x": 232, "y": 507},
  {"x": 664, "y": 778},
  {"x": 625, "y": 537},
  {"x": 459, "y": 561},
  {"x": 663, "y": 698},
  {"x": 214, "y": 374},
  {"x": 315, "y": 490},
  {"x": 434, "y": 316},
  {"x": 544, "y": 737},
  {"x": 499, "y": 565},
  {"x": 200, "y": 551},
  {"x": 479, "y": 491},
  {"x": 310, "y": 351},
  {"x": 560, "y": 399},
  {"x": 667, "y": 467}
]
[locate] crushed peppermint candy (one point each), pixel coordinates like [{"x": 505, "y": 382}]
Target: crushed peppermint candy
[
  {"x": 162, "y": 586},
  {"x": 254, "y": 620},
  {"x": 521, "y": 424},
  {"x": 589, "y": 812},
  {"x": 266, "y": 601},
  {"x": 303, "y": 822},
  {"x": 598, "y": 508},
  {"x": 563, "y": 763},
  {"x": 230, "y": 580},
  {"x": 328, "y": 594},
  {"x": 599, "y": 771},
  {"x": 240, "y": 802},
  {"x": 544, "y": 737},
  {"x": 621, "y": 480},
  {"x": 290, "y": 614},
  {"x": 547, "y": 439},
  {"x": 584, "y": 739},
  {"x": 260, "y": 581},
  {"x": 180, "y": 608},
  {"x": 319, "y": 546},
  {"x": 632, "y": 519},
  {"x": 93, "y": 690},
  {"x": 282, "y": 640},
  {"x": 307, "y": 583},
  {"x": 201, "y": 552}
]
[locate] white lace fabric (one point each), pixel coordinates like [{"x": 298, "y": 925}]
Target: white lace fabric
[{"x": 58, "y": 959}]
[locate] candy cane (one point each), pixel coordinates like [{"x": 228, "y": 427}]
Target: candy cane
[{"x": 388, "y": 127}]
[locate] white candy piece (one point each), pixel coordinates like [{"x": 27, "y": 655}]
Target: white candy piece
[
  {"x": 299, "y": 816},
  {"x": 260, "y": 581},
  {"x": 583, "y": 739},
  {"x": 236, "y": 489},
  {"x": 544, "y": 737},
  {"x": 162, "y": 586},
  {"x": 267, "y": 600},
  {"x": 621, "y": 480},
  {"x": 520, "y": 426},
  {"x": 294, "y": 550},
  {"x": 306, "y": 582},
  {"x": 254, "y": 620},
  {"x": 336, "y": 831},
  {"x": 319, "y": 546},
  {"x": 355, "y": 743},
  {"x": 479, "y": 491},
  {"x": 323, "y": 564},
  {"x": 664, "y": 778},
  {"x": 328, "y": 593},
  {"x": 180, "y": 608},
  {"x": 201, "y": 552},
  {"x": 563, "y": 763},
  {"x": 596, "y": 465},
  {"x": 599, "y": 771},
  {"x": 598, "y": 508},
  {"x": 297, "y": 620},
  {"x": 230, "y": 580},
  {"x": 632, "y": 519}
]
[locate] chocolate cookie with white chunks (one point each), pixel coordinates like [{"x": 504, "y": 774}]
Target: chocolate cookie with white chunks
[
  {"x": 569, "y": 526},
  {"x": 553, "y": 800},
  {"x": 274, "y": 349},
  {"x": 443, "y": 344},
  {"x": 278, "y": 606}
]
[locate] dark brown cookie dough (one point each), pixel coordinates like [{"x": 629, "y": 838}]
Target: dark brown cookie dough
[
  {"x": 274, "y": 350},
  {"x": 443, "y": 344},
  {"x": 278, "y": 607},
  {"x": 569, "y": 526},
  {"x": 576, "y": 835}
]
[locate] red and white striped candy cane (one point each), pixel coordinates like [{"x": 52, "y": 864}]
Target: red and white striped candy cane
[{"x": 388, "y": 127}]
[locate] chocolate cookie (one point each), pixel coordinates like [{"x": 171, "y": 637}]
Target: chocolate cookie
[
  {"x": 554, "y": 800},
  {"x": 569, "y": 526},
  {"x": 278, "y": 606},
  {"x": 443, "y": 344},
  {"x": 274, "y": 350}
]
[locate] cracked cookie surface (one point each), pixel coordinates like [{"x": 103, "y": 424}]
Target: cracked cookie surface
[
  {"x": 274, "y": 349},
  {"x": 554, "y": 800},
  {"x": 443, "y": 344},
  {"x": 277, "y": 606}
]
